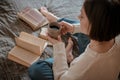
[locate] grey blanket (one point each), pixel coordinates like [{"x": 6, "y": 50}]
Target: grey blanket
[{"x": 11, "y": 26}]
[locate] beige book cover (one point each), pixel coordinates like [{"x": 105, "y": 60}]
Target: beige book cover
[
  {"x": 33, "y": 17},
  {"x": 27, "y": 50}
]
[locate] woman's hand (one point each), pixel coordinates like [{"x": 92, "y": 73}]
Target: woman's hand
[
  {"x": 69, "y": 48},
  {"x": 54, "y": 41},
  {"x": 66, "y": 27}
]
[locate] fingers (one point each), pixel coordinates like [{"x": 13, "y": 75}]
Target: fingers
[
  {"x": 59, "y": 38},
  {"x": 63, "y": 23},
  {"x": 63, "y": 27},
  {"x": 54, "y": 41},
  {"x": 49, "y": 38},
  {"x": 70, "y": 58},
  {"x": 69, "y": 45},
  {"x": 63, "y": 31},
  {"x": 66, "y": 27},
  {"x": 69, "y": 50},
  {"x": 70, "y": 42}
]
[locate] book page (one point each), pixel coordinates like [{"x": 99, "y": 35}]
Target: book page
[
  {"x": 15, "y": 59},
  {"x": 32, "y": 39},
  {"x": 33, "y": 17},
  {"x": 25, "y": 57},
  {"x": 31, "y": 43},
  {"x": 41, "y": 18}
]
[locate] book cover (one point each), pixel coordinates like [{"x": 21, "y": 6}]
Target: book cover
[
  {"x": 27, "y": 50},
  {"x": 22, "y": 56},
  {"x": 33, "y": 17}
]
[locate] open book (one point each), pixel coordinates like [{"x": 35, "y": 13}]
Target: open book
[
  {"x": 33, "y": 17},
  {"x": 27, "y": 50}
]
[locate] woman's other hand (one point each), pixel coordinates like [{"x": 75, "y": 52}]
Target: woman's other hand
[
  {"x": 66, "y": 27},
  {"x": 69, "y": 48},
  {"x": 54, "y": 41}
]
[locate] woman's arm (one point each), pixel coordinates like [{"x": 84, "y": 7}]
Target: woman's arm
[
  {"x": 61, "y": 71},
  {"x": 60, "y": 65}
]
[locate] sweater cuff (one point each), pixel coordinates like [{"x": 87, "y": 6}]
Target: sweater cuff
[
  {"x": 76, "y": 28},
  {"x": 59, "y": 48}
]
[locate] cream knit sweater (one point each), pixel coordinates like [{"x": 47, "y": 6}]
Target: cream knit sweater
[{"x": 89, "y": 66}]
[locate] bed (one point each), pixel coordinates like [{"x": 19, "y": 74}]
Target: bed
[{"x": 11, "y": 26}]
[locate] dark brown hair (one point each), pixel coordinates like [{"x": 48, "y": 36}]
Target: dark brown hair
[{"x": 104, "y": 18}]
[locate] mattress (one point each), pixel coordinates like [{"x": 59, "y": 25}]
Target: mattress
[{"x": 11, "y": 26}]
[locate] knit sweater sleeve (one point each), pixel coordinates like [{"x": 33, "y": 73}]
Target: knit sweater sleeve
[
  {"x": 60, "y": 66},
  {"x": 60, "y": 61},
  {"x": 76, "y": 28},
  {"x": 87, "y": 65}
]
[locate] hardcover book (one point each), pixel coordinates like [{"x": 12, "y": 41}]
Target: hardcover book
[
  {"x": 28, "y": 49},
  {"x": 33, "y": 17}
]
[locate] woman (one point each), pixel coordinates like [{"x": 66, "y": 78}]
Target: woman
[{"x": 99, "y": 19}]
